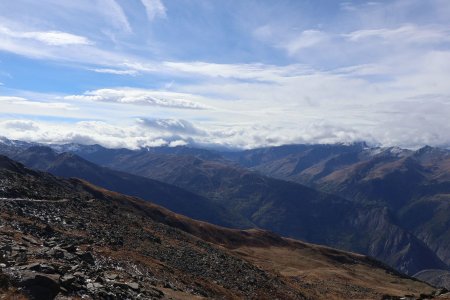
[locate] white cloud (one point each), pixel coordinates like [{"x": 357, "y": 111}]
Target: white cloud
[
  {"x": 21, "y": 125},
  {"x": 62, "y": 47},
  {"x": 115, "y": 13},
  {"x": 292, "y": 41},
  {"x": 260, "y": 72},
  {"x": 177, "y": 143},
  {"x": 53, "y": 38},
  {"x": 56, "y": 38},
  {"x": 403, "y": 34},
  {"x": 307, "y": 39},
  {"x": 174, "y": 126},
  {"x": 363, "y": 75},
  {"x": 141, "y": 66},
  {"x": 115, "y": 71},
  {"x": 136, "y": 136},
  {"x": 154, "y": 9},
  {"x": 364, "y": 70},
  {"x": 89, "y": 132},
  {"x": 140, "y": 97},
  {"x": 268, "y": 105},
  {"x": 5, "y": 100}
]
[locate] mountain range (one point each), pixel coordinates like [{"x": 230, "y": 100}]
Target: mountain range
[
  {"x": 412, "y": 185},
  {"x": 66, "y": 239},
  {"x": 388, "y": 203}
]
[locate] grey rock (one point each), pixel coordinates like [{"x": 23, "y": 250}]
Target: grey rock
[
  {"x": 111, "y": 276},
  {"x": 133, "y": 285},
  {"x": 38, "y": 267},
  {"x": 93, "y": 286},
  {"x": 67, "y": 280},
  {"x": 30, "y": 240}
]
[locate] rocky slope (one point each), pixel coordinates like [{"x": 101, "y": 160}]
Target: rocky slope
[
  {"x": 67, "y": 238},
  {"x": 435, "y": 277}
]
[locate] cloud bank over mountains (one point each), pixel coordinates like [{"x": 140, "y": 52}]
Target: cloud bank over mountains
[
  {"x": 154, "y": 72},
  {"x": 139, "y": 97}
]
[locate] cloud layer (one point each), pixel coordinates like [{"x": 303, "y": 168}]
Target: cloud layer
[
  {"x": 52, "y": 38},
  {"x": 152, "y": 72},
  {"x": 139, "y": 97}
]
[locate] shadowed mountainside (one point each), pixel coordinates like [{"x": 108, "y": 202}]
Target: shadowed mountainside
[
  {"x": 177, "y": 199},
  {"x": 286, "y": 208},
  {"x": 414, "y": 186}
]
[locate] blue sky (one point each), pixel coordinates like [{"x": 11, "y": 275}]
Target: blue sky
[{"x": 134, "y": 73}]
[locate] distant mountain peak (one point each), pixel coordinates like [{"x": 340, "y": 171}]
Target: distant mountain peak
[
  {"x": 356, "y": 144},
  {"x": 15, "y": 143},
  {"x": 433, "y": 151}
]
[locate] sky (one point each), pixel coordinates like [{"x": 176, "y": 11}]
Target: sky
[{"x": 228, "y": 73}]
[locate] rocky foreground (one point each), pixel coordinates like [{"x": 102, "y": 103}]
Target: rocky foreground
[
  {"x": 67, "y": 239},
  {"x": 50, "y": 249}
]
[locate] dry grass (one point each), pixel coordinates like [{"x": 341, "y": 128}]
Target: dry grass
[
  {"x": 12, "y": 294},
  {"x": 321, "y": 277}
]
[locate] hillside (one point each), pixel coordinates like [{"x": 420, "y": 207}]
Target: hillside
[
  {"x": 368, "y": 215},
  {"x": 81, "y": 240},
  {"x": 286, "y": 208},
  {"x": 412, "y": 185},
  {"x": 177, "y": 199}
]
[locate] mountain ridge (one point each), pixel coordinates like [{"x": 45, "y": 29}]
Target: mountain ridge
[
  {"x": 270, "y": 204},
  {"x": 70, "y": 165}
]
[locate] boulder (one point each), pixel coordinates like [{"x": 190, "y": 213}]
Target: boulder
[{"x": 40, "y": 286}]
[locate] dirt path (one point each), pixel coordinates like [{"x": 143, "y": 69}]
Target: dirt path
[{"x": 33, "y": 200}]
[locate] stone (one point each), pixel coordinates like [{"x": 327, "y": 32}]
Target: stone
[
  {"x": 69, "y": 256},
  {"x": 87, "y": 257},
  {"x": 4, "y": 281},
  {"x": 42, "y": 268},
  {"x": 48, "y": 230},
  {"x": 111, "y": 276},
  {"x": 39, "y": 285},
  {"x": 92, "y": 286},
  {"x": 70, "y": 248},
  {"x": 50, "y": 243},
  {"x": 21, "y": 258},
  {"x": 133, "y": 286},
  {"x": 56, "y": 252},
  {"x": 67, "y": 280},
  {"x": 79, "y": 274},
  {"x": 30, "y": 240},
  {"x": 32, "y": 266}
]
